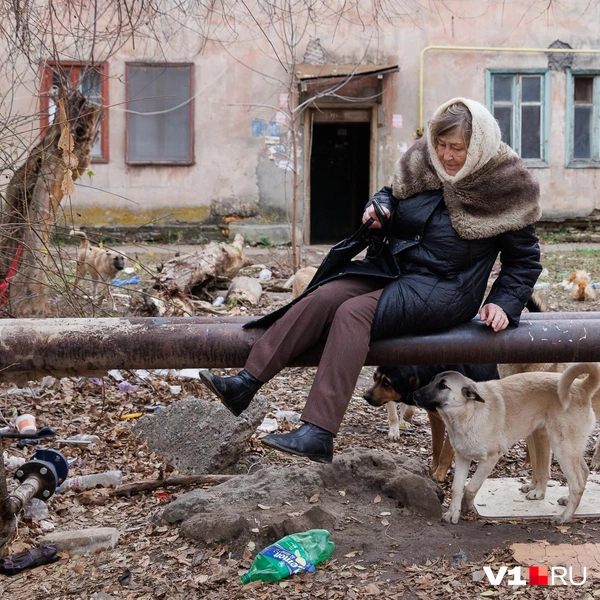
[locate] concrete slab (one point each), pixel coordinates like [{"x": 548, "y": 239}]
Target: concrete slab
[{"x": 501, "y": 498}]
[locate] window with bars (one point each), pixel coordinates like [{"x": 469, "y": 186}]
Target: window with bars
[
  {"x": 583, "y": 120},
  {"x": 160, "y": 114},
  {"x": 519, "y": 102},
  {"x": 92, "y": 81}
]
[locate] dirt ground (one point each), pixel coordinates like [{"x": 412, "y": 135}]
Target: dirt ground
[{"x": 381, "y": 549}]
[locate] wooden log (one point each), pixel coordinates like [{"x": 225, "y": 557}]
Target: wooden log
[
  {"x": 189, "y": 273},
  {"x": 153, "y": 484},
  {"x": 213, "y": 260}
]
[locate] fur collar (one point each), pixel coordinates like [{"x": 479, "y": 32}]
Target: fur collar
[{"x": 500, "y": 196}]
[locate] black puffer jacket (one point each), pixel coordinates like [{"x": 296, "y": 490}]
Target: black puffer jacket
[{"x": 442, "y": 278}]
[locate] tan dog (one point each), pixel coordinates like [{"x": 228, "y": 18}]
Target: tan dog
[
  {"x": 393, "y": 386},
  {"x": 580, "y": 284},
  {"x": 485, "y": 419},
  {"x": 100, "y": 264},
  {"x": 539, "y": 449},
  {"x": 300, "y": 280}
]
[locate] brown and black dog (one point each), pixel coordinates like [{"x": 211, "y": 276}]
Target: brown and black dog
[{"x": 392, "y": 386}]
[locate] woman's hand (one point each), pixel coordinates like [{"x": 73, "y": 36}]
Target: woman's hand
[
  {"x": 371, "y": 214},
  {"x": 494, "y": 317}
]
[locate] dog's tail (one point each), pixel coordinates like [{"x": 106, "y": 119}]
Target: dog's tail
[
  {"x": 536, "y": 304},
  {"x": 586, "y": 387},
  {"x": 80, "y": 234}
]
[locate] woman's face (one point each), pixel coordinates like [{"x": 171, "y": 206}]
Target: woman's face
[{"x": 452, "y": 151}]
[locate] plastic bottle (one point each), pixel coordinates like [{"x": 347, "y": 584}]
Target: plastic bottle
[
  {"x": 291, "y": 554},
  {"x": 88, "y": 482},
  {"x": 83, "y": 438}
]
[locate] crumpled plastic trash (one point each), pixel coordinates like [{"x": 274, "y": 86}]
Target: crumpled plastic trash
[
  {"x": 265, "y": 274},
  {"x": 15, "y": 563},
  {"x": 290, "y": 416},
  {"x": 268, "y": 425},
  {"x": 135, "y": 280},
  {"x": 13, "y": 462},
  {"x": 125, "y": 386}
]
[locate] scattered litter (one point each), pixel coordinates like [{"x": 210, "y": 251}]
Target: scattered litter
[
  {"x": 218, "y": 301},
  {"x": 458, "y": 558},
  {"x": 135, "y": 280},
  {"x": 12, "y": 463},
  {"x": 15, "y": 563},
  {"x": 88, "y": 482},
  {"x": 128, "y": 270},
  {"x": 143, "y": 374},
  {"x": 25, "y": 424},
  {"x": 125, "y": 386},
  {"x": 265, "y": 274},
  {"x": 116, "y": 375},
  {"x": 175, "y": 389},
  {"x": 80, "y": 438},
  {"x": 152, "y": 409},
  {"x": 189, "y": 373},
  {"x": 131, "y": 416},
  {"x": 268, "y": 425},
  {"x": 541, "y": 285},
  {"x": 291, "y": 554},
  {"x": 49, "y": 382},
  {"x": 287, "y": 415},
  {"x": 36, "y": 509}
]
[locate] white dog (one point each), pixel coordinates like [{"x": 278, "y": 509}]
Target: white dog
[{"x": 485, "y": 419}]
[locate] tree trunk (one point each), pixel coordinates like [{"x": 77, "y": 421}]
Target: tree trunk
[
  {"x": 181, "y": 275},
  {"x": 32, "y": 198}
]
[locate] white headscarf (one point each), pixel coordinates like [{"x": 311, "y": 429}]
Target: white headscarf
[{"x": 484, "y": 144}]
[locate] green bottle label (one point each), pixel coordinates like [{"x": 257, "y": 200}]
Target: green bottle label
[{"x": 292, "y": 560}]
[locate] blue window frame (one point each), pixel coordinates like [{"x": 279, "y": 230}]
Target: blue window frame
[
  {"x": 519, "y": 101},
  {"x": 583, "y": 119}
]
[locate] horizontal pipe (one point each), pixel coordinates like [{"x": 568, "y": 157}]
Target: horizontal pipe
[{"x": 32, "y": 348}]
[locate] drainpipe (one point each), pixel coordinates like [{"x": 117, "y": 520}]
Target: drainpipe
[{"x": 419, "y": 131}]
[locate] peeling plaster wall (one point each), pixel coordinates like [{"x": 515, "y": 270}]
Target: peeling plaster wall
[{"x": 241, "y": 140}]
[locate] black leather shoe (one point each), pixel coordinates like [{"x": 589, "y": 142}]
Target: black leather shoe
[
  {"x": 235, "y": 392},
  {"x": 308, "y": 440}
]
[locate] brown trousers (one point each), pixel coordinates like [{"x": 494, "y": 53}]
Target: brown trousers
[{"x": 340, "y": 313}]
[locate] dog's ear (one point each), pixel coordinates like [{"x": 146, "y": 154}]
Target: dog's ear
[{"x": 470, "y": 393}]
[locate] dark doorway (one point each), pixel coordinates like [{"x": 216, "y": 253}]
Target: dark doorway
[{"x": 339, "y": 179}]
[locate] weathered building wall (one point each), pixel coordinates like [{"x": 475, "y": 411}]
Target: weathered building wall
[{"x": 242, "y": 158}]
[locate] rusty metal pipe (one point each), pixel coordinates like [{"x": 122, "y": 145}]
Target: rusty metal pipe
[
  {"x": 31, "y": 348},
  {"x": 21, "y": 496}
]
